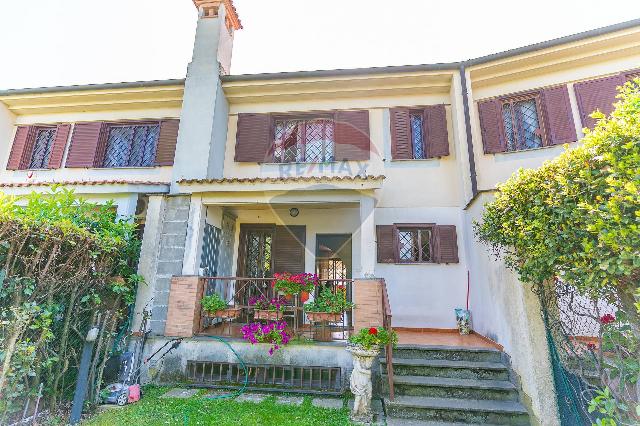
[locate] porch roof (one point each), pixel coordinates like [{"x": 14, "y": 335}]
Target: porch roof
[
  {"x": 88, "y": 186},
  {"x": 286, "y": 183}
]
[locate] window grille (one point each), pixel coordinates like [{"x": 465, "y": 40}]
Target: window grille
[
  {"x": 522, "y": 124},
  {"x": 309, "y": 140},
  {"x": 417, "y": 134},
  {"x": 42, "y": 148},
  {"x": 414, "y": 245},
  {"x": 131, "y": 146}
]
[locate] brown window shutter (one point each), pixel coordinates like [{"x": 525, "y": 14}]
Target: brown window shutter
[
  {"x": 253, "y": 138},
  {"x": 352, "y": 136},
  {"x": 85, "y": 146},
  {"x": 437, "y": 135},
  {"x": 166, "y": 149},
  {"x": 597, "y": 94},
  {"x": 21, "y": 148},
  {"x": 59, "y": 144},
  {"x": 289, "y": 249},
  {"x": 401, "y": 148},
  {"x": 558, "y": 116},
  {"x": 445, "y": 242},
  {"x": 385, "y": 241},
  {"x": 490, "y": 114}
]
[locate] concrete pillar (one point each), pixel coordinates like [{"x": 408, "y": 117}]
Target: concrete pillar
[
  {"x": 367, "y": 237},
  {"x": 195, "y": 230},
  {"x": 149, "y": 256}
]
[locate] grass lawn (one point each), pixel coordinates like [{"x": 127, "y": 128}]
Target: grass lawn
[{"x": 153, "y": 410}]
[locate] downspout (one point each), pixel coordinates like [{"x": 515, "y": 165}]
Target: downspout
[{"x": 467, "y": 125}]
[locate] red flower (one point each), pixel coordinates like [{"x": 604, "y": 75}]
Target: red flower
[
  {"x": 591, "y": 346},
  {"x": 607, "y": 319},
  {"x": 373, "y": 330}
]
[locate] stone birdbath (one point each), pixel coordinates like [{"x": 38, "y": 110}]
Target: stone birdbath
[{"x": 360, "y": 383}]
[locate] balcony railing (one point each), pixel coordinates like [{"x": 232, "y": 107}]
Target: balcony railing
[{"x": 238, "y": 291}]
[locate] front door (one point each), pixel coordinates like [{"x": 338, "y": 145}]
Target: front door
[
  {"x": 333, "y": 256},
  {"x": 255, "y": 259}
]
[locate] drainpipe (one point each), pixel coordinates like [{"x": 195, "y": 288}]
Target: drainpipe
[{"x": 467, "y": 125}]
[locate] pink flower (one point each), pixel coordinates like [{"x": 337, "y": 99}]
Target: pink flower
[{"x": 591, "y": 346}]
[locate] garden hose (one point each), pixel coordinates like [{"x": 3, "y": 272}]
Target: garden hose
[{"x": 228, "y": 395}]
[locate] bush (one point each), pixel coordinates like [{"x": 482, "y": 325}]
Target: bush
[
  {"x": 577, "y": 219},
  {"x": 66, "y": 264}
]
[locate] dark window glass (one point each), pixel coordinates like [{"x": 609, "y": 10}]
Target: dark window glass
[
  {"x": 309, "y": 140},
  {"x": 131, "y": 146},
  {"x": 417, "y": 134},
  {"x": 414, "y": 245},
  {"x": 522, "y": 124},
  {"x": 42, "y": 148}
]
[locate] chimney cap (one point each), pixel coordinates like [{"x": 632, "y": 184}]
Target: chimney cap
[{"x": 210, "y": 10}]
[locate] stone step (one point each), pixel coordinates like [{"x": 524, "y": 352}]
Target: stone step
[
  {"x": 457, "y": 410},
  {"x": 451, "y": 353},
  {"x": 394, "y": 421},
  {"x": 447, "y": 387},
  {"x": 482, "y": 370}
]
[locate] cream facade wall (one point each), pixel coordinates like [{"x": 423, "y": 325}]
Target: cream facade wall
[
  {"x": 496, "y": 168},
  {"x": 7, "y": 129},
  {"x": 124, "y": 196}
]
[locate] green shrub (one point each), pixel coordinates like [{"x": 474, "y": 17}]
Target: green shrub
[{"x": 213, "y": 303}]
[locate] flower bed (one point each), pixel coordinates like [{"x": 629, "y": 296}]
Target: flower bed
[
  {"x": 328, "y": 306},
  {"x": 267, "y": 309},
  {"x": 290, "y": 285}
]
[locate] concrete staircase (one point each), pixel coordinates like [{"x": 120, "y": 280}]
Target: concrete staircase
[{"x": 441, "y": 385}]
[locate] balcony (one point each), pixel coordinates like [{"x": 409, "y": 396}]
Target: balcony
[{"x": 239, "y": 292}]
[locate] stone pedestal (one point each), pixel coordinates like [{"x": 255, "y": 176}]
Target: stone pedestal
[{"x": 360, "y": 383}]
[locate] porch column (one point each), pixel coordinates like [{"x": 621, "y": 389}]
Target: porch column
[
  {"x": 195, "y": 230},
  {"x": 367, "y": 237}
]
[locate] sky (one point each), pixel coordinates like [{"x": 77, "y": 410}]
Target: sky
[{"x": 64, "y": 42}]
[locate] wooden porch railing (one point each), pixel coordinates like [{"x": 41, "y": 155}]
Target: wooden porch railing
[
  {"x": 238, "y": 291},
  {"x": 386, "y": 323}
]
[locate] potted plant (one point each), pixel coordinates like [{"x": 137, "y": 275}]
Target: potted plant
[
  {"x": 273, "y": 332},
  {"x": 365, "y": 347},
  {"x": 214, "y": 306},
  {"x": 267, "y": 309},
  {"x": 328, "y": 306},
  {"x": 290, "y": 285}
]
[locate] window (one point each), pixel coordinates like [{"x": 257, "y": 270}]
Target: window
[
  {"x": 416, "y": 120},
  {"x": 131, "y": 145},
  {"x": 522, "y": 126},
  {"x": 43, "y": 143},
  {"x": 414, "y": 244},
  {"x": 304, "y": 140}
]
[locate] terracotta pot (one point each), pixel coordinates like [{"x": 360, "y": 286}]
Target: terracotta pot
[
  {"x": 304, "y": 296},
  {"x": 324, "y": 316},
  {"x": 229, "y": 313},
  {"x": 260, "y": 314}
]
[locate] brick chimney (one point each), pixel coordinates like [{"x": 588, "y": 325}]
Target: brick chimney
[{"x": 203, "y": 120}]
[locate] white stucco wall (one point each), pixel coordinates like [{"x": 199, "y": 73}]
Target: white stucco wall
[
  {"x": 508, "y": 312},
  {"x": 424, "y": 295}
]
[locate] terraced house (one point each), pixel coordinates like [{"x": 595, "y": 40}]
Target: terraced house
[{"x": 369, "y": 177}]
